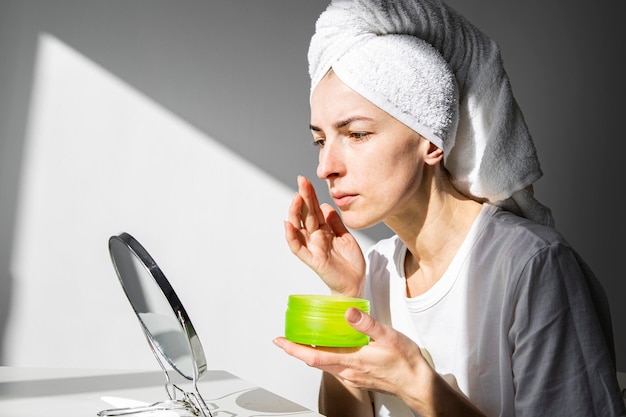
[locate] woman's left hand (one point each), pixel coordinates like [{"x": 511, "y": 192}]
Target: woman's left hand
[{"x": 390, "y": 363}]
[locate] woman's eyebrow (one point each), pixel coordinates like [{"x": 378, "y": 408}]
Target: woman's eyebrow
[{"x": 342, "y": 123}]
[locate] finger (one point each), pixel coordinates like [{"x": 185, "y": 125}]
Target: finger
[
  {"x": 364, "y": 323},
  {"x": 333, "y": 219},
  {"x": 319, "y": 357},
  {"x": 310, "y": 211},
  {"x": 295, "y": 209},
  {"x": 305, "y": 353},
  {"x": 294, "y": 238}
]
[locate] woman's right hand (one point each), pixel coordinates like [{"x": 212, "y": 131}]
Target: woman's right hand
[{"x": 317, "y": 236}]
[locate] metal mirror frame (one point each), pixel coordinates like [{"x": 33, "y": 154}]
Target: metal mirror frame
[{"x": 192, "y": 402}]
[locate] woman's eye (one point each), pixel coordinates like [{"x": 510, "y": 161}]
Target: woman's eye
[
  {"x": 319, "y": 142},
  {"x": 359, "y": 136}
]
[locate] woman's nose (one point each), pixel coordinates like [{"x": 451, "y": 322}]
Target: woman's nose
[{"x": 330, "y": 162}]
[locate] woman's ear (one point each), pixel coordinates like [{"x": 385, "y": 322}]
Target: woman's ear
[{"x": 434, "y": 154}]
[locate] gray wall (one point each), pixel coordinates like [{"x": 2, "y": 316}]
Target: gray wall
[{"x": 237, "y": 71}]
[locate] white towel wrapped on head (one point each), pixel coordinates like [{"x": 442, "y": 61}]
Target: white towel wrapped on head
[{"x": 431, "y": 69}]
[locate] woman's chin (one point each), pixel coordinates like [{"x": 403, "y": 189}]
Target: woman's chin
[{"x": 358, "y": 222}]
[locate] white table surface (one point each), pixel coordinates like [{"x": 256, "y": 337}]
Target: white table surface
[{"x": 30, "y": 392}]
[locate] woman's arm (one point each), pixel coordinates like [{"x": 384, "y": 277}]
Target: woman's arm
[
  {"x": 558, "y": 342},
  {"x": 391, "y": 363},
  {"x": 338, "y": 400},
  {"x": 441, "y": 399}
]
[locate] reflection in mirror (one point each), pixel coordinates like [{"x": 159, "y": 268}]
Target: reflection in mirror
[{"x": 165, "y": 323}]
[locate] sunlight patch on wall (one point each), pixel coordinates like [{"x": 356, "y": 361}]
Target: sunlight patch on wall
[{"x": 102, "y": 158}]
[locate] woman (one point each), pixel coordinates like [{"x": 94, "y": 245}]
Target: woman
[{"x": 475, "y": 310}]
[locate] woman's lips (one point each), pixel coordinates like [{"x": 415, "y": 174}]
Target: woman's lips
[{"x": 342, "y": 200}]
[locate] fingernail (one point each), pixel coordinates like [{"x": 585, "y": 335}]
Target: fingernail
[{"x": 353, "y": 315}]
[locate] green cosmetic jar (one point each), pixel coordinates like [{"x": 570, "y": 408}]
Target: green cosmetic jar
[{"x": 319, "y": 320}]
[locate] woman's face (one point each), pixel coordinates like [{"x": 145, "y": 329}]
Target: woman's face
[{"x": 372, "y": 163}]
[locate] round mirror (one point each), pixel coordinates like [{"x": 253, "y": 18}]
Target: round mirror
[{"x": 160, "y": 312}]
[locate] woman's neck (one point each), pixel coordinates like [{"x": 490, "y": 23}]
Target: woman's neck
[{"x": 433, "y": 234}]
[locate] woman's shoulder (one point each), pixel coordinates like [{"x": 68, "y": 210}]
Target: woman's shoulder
[
  {"x": 497, "y": 234},
  {"x": 516, "y": 242},
  {"x": 503, "y": 226}
]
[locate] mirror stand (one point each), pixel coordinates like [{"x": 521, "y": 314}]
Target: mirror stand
[
  {"x": 166, "y": 326},
  {"x": 191, "y": 403}
]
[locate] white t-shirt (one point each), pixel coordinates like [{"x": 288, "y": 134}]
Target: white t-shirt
[{"x": 517, "y": 319}]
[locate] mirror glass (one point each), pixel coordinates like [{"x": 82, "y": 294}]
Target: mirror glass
[{"x": 161, "y": 314}]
